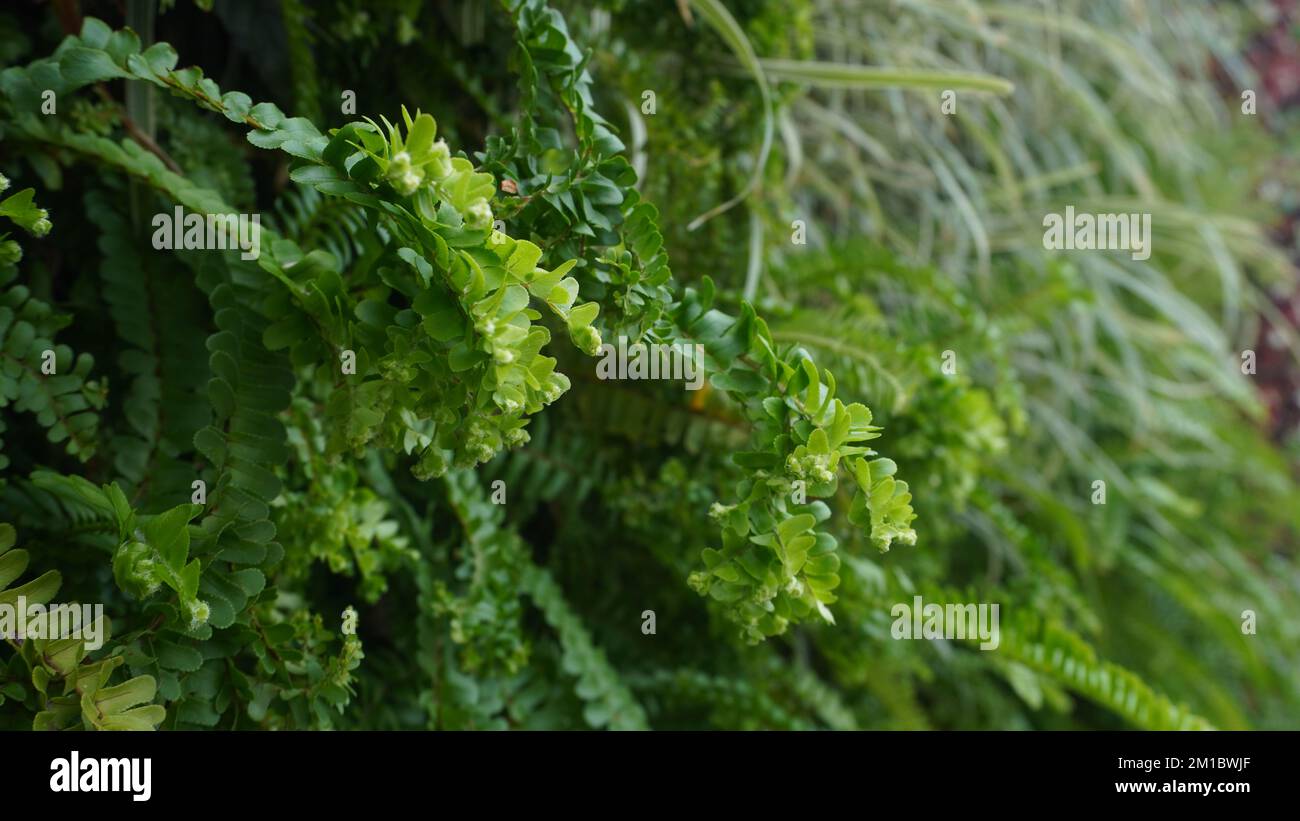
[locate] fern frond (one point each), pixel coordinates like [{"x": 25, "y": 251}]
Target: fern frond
[
  {"x": 164, "y": 405},
  {"x": 333, "y": 224},
  {"x": 731, "y": 701},
  {"x": 609, "y": 702},
  {"x": 44, "y": 378},
  {"x": 246, "y": 441},
  {"x": 297, "y": 18},
  {"x": 1054, "y": 651}
]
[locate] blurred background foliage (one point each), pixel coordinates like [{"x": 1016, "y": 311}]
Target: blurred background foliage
[{"x": 767, "y": 119}]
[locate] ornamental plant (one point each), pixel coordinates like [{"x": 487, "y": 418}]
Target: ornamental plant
[{"x": 357, "y": 470}]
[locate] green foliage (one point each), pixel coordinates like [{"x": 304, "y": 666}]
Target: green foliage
[
  {"x": 42, "y": 378},
  {"x": 369, "y": 432},
  {"x": 774, "y": 568},
  {"x": 1065, "y": 657},
  {"x": 22, "y": 209},
  {"x": 49, "y": 661},
  {"x": 164, "y": 359}
]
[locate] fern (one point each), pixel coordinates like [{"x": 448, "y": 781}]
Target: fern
[
  {"x": 608, "y": 701},
  {"x": 165, "y": 361},
  {"x": 389, "y": 428},
  {"x": 1058, "y": 653},
  {"x": 302, "y": 65},
  {"x": 43, "y": 378},
  {"x": 313, "y": 220}
]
